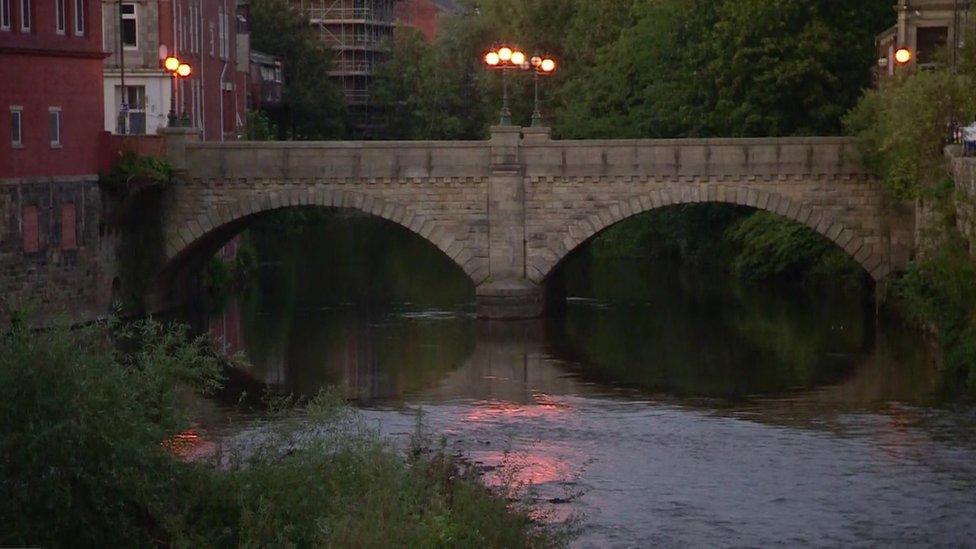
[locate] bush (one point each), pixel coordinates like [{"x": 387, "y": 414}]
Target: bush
[
  {"x": 80, "y": 431},
  {"x": 86, "y": 420},
  {"x": 771, "y": 247},
  {"x": 939, "y": 292}
]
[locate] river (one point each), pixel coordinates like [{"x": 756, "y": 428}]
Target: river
[{"x": 666, "y": 406}]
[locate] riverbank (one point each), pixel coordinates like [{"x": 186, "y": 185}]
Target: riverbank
[{"x": 90, "y": 432}]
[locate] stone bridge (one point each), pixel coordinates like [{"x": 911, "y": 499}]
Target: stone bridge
[{"x": 508, "y": 210}]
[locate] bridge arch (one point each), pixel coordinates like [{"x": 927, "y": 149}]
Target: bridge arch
[
  {"x": 204, "y": 234},
  {"x": 579, "y": 232}
]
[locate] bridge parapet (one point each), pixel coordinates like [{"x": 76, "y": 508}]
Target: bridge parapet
[
  {"x": 339, "y": 160},
  {"x": 694, "y": 159}
]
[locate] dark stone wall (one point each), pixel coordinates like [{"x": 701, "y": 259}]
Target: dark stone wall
[{"x": 54, "y": 283}]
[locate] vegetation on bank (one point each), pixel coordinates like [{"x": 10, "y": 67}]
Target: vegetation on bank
[
  {"x": 904, "y": 126},
  {"x": 89, "y": 429},
  {"x": 135, "y": 187}
]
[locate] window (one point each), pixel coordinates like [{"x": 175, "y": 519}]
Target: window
[
  {"x": 55, "y": 117},
  {"x": 5, "y": 15},
  {"x": 29, "y": 229},
  {"x": 134, "y": 98},
  {"x": 59, "y": 16},
  {"x": 930, "y": 42},
  {"x": 79, "y": 17},
  {"x": 16, "y": 126},
  {"x": 69, "y": 234},
  {"x": 222, "y": 24},
  {"x": 25, "y": 15},
  {"x": 130, "y": 33}
]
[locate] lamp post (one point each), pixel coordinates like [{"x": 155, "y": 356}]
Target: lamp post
[
  {"x": 505, "y": 59},
  {"x": 542, "y": 66},
  {"x": 179, "y": 69}
]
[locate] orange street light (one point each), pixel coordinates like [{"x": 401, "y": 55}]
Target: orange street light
[
  {"x": 518, "y": 58},
  {"x": 505, "y": 54},
  {"x": 545, "y": 66},
  {"x": 183, "y": 70},
  {"x": 903, "y": 56},
  {"x": 492, "y": 59},
  {"x": 171, "y": 64}
]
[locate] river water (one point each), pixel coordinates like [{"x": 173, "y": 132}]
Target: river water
[{"x": 666, "y": 406}]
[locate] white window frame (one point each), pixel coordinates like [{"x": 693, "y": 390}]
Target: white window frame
[
  {"x": 18, "y": 112},
  {"x": 222, "y": 23},
  {"x": 60, "y": 17},
  {"x": 56, "y": 111},
  {"x": 26, "y": 18},
  {"x": 133, "y": 17},
  {"x": 5, "y": 15},
  {"x": 79, "y": 17}
]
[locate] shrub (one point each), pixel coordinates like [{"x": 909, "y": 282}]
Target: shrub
[
  {"x": 939, "y": 292},
  {"x": 85, "y": 420}
]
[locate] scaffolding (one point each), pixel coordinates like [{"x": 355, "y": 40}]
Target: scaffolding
[{"x": 359, "y": 32}]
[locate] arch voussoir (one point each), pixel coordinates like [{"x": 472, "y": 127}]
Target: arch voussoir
[{"x": 583, "y": 227}]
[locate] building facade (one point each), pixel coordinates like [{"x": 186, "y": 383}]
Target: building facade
[
  {"x": 267, "y": 86},
  {"x": 933, "y": 30},
  {"x": 424, "y": 15},
  {"x": 209, "y": 35},
  {"x": 51, "y": 114}
]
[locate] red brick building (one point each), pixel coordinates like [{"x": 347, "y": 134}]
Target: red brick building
[
  {"x": 424, "y": 15},
  {"x": 51, "y": 97},
  {"x": 51, "y": 114},
  {"x": 211, "y": 36}
]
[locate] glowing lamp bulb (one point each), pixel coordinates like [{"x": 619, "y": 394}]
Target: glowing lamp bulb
[
  {"x": 492, "y": 59},
  {"x": 505, "y": 54},
  {"x": 547, "y": 65},
  {"x": 171, "y": 64},
  {"x": 903, "y": 55},
  {"x": 183, "y": 70},
  {"x": 518, "y": 58}
]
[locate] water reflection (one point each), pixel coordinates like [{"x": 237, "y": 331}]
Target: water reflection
[{"x": 670, "y": 407}]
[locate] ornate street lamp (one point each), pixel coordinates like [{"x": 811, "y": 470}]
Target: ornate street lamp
[
  {"x": 505, "y": 59},
  {"x": 903, "y": 56},
  {"x": 544, "y": 66},
  {"x": 179, "y": 70}
]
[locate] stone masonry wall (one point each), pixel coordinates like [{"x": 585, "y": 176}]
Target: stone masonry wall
[
  {"x": 964, "y": 173},
  {"x": 577, "y": 189},
  {"x": 562, "y": 192},
  {"x": 52, "y": 281},
  {"x": 437, "y": 190}
]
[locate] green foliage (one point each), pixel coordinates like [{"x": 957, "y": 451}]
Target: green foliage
[
  {"x": 691, "y": 233},
  {"x": 314, "y": 105},
  {"x": 132, "y": 169},
  {"x": 728, "y": 68},
  {"x": 939, "y": 291},
  {"x": 80, "y": 431},
  {"x": 904, "y": 124},
  {"x": 260, "y": 126},
  {"x": 86, "y": 420},
  {"x": 771, "y": 247},
  {"x": 431, "y": 92}
]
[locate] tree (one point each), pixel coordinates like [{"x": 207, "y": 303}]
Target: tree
[
  {"x": 314, "y": 107},
  {"x": 429, "y": 92}
]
